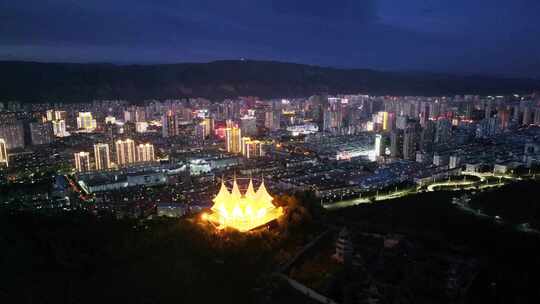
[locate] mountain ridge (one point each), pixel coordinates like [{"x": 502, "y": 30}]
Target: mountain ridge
[{"x": 78, "y": 82}]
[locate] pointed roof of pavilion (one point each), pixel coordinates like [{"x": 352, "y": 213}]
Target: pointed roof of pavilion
[
  {"x": 222, "y": 197},
  {"x": 236, "y": 195},
  {"x": 262, "y": 198},
  {"x": 250, "y": 192}
]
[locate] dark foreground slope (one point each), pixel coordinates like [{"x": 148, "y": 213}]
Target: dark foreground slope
[{"x": 30, "y": 81}]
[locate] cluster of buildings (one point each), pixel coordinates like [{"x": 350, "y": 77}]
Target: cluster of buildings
[
  {"x": 126, "y": 153},
  {"x": 337, "y": 146}
]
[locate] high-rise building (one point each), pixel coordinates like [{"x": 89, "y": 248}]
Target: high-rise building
[
  {"x": 82, "y": 161},
  {"x": 488, "y": 128},
  {"x": 102, "y": 156},
  {"x": 440, "y": 160},
  {"x": 409, "y": 143},
  {"x": 13, "y": 134},
  {"x": 59, "y": 128},
  {"x": 272, "y": 120},
  {"x": 49, "y": 115},
  {"x": 199, "y": 131},
  {"x": 454, "y": 162},
  {"x": 251, "y": 148},
  {"x": 385, "y": 122},
  {"x": 185, "y": 114},
  {"x": 207, "y": 125},
  {"x": 516, "y": 112},
  {"x": 110, "y": 119},
  {"x": 60, "y": 115},
  {"x": 248, "y": 124},
  {"x": 128, "y": 129},
  {"x": 134, "y": 114},
  {"x": 233, "y": 137},
  {"x": 380, "y": 147},
  {"x": 526, "y": 116},
  {"x": 141, "y": 126},
  {"x": 332, "y": 116},
  {"x": 504, "y": 118},
  {"x": 434, "y": 110},
  {"x": 536, "y": 119},
  {"x": 145, "y": 153},
  {"x": 401, "y": 122},
  {"x": 170, "y": 124},
  {"x": 396, "y": 143},
  {"x": 319, "y": 105},
  {"x": 488, "y": 109},
  {"x": 125, "y": 152},
  {"x": 443, "y": 131},
  {"x": 41, "y": 133},
  {"x": 86, "y": 122},
  {"x": 112, "y": 130},
  {"x": 427, "y": 136},
  {"x": 4, "y": 157}
]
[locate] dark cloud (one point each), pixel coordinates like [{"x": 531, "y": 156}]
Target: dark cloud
[{"x": 491, "y": 36}]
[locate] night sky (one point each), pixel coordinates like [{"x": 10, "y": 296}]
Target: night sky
[{"x": 494, "y": 37}]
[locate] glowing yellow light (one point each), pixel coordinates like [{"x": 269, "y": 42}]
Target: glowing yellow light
[{"x": 243, "y": 211}]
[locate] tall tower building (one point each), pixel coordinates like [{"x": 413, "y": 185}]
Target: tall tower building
[
  {"x": 396, "y": 143},
  {"x": 504, "y": 118},
  {"x": 170, "y": 124},
  {"x": 409, "y": 143},
  {"x": 488, "y": 109},
  {"x": 125, "y": 152},
  {"x": 427, "y": 137},
  {"x": 527, "y": 116},
  {"x": 385, "y": 121},
  {"x": 4, "y": 158},
  {"x": 380, "y": 146},
  {"x": 102, "y": 156},
  {"x": 82, "y": 161},
  {"x": 233, "y": 137},
  {"x": 145, "y": 153},
  {"x": 207, "y": 127},
  {"x": 536, "y": 119}
]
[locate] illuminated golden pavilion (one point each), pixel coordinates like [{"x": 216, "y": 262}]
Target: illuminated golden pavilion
[{"x": 243, "y": 211}]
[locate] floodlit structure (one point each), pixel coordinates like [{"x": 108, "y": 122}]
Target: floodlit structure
[{"x": 243, "y": 211}]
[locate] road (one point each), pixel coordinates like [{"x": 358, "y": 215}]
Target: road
[{"x": 482, "y": 183}]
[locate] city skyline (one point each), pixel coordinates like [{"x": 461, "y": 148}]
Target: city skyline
[{"x": 354, "y": 151}]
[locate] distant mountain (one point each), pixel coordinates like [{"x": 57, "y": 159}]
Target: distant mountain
[{"x": 68, "y": 82}]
